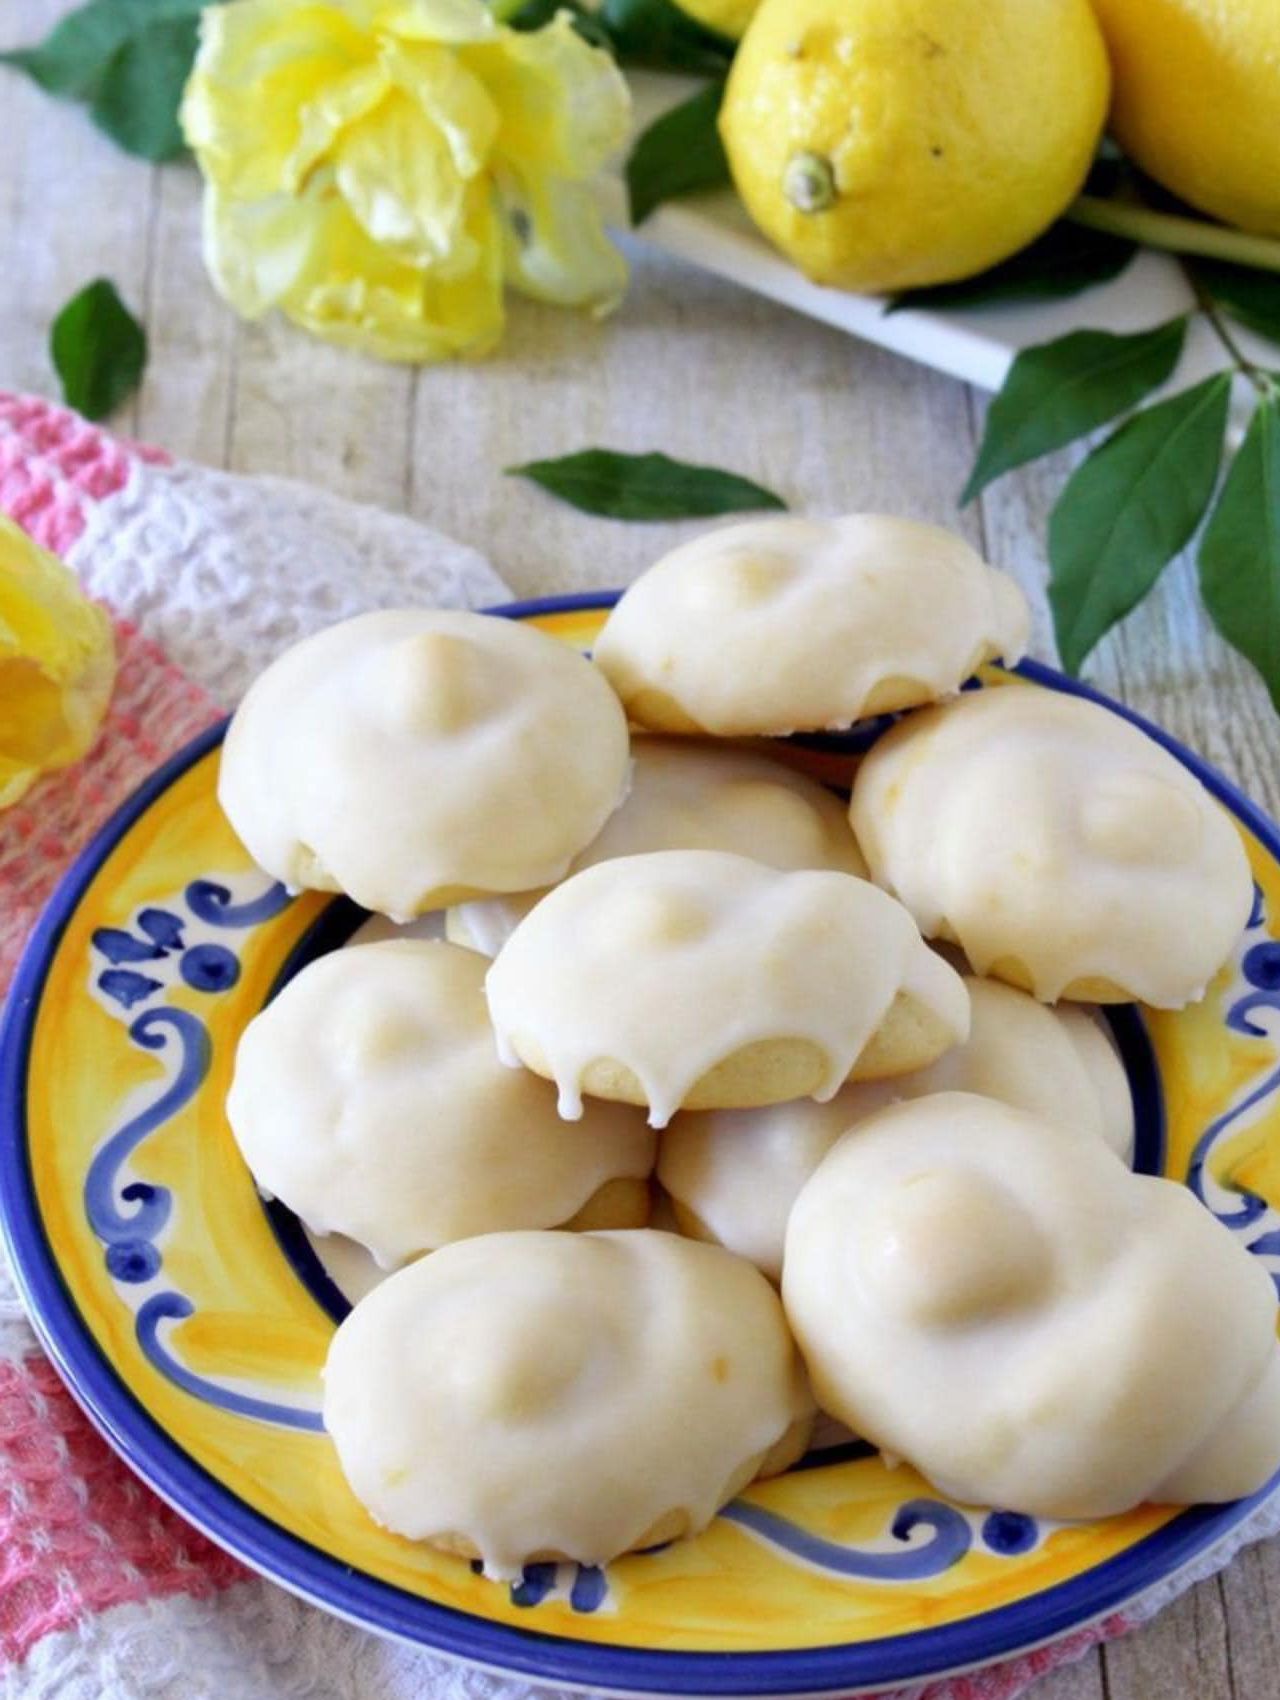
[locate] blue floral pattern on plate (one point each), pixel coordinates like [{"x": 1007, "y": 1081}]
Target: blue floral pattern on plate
[{"x": 129, "y": 1215}]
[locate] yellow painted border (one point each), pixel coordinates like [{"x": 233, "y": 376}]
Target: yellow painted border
[{"x": 255, "y": 1323}]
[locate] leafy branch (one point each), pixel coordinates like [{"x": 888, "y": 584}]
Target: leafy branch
[
  {"x": 1261, "y": 379},
  {"x": 128, "y": 61},
  {"x": 654, "y": 34},
  {"x": 1140, "y": 497}
]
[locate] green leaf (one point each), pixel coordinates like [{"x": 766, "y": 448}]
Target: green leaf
[
  {"x": 128, "y": 60},
  {"x": 658, "y": 34},
  {"x": 137, "y": 103},
  {"x": 1240, "y": 550},
  {"x": 1129, "y": 509},
  {"x": 679, "y": 154},
  {"x": 1252, "y": 297},
  {"x": 1064, "y": 261},
  {"x": 535, "y": 14},
  {"x": 622, "y": 486},
  {"x": 72, "y": 57},
  {"x": 99, "y": 350},
  {"x": 1064, "y": 389}
]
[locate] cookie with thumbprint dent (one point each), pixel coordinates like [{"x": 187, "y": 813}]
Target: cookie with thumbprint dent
[
  {"x": 369, "y": 1099},
  {"x": 694, "y": 796},
  {"x": 1007, "y": 1307},
  {"x": 413, "y": 758},
  {"x": 546, "y": 1396},
  {"x": 804, "y": 625},
  {"x": 733, "y": 1175},
  {"x": 700, "y": 979},
  {"x": 1059, "y": 846}
]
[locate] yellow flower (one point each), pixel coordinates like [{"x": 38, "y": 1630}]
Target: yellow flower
[
  {"x": 57, "y": 664},
  {"x": 380, "y": 169}
]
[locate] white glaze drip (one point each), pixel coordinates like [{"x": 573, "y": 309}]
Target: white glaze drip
[
  {"x": 671, "y": 962},
  {"x": 740, "y": 1171}
]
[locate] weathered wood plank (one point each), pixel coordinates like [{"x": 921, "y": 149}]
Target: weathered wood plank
[
  {"x": 72, "y": 208},
  {"x": 1251, "y": 1600},
  {"x": 306, "y": 410},
  {"x": 187, "y": 399},
  {"x": 1184, "y": 1652},
  {"x": 701, "y": 370}
]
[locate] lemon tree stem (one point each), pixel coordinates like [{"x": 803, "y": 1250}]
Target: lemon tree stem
[
  {"x": 1262, "y": 381},
  {"x": 1176, "y": 234}
]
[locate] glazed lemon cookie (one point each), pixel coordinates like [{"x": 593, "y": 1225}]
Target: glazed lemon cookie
[
  {"x": 1006, "y": 1306},
  {"x": 544, "y": 1395},
  {"x": 701, "y": 979},
  {"x": 733, "y": 1175},
  {"x": 793, "y": 625},
  {"x": 689, "y": 796},
  {"x": 368, "y": 1097},
  {"x": 413, "y": 758},
  {"x": 1063, "y": 849}
]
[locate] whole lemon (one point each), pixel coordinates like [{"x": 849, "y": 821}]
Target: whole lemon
[
  {"x": 884, "y": 144},
  {"x": 726, "y": 17},
  {"x": 1197, "y": 100}
]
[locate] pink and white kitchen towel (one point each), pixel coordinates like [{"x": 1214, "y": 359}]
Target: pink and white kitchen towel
[{"x": 104, "y": 1591}]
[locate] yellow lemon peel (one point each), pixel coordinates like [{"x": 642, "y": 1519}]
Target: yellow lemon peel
[
  {"x": 890, "y": 144},
  {"x": 57, "y": 664},
  {"x": 381, "y": 170},
  {"x": 1197, "y": 92}
]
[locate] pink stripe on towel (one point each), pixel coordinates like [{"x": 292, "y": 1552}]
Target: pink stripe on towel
[{"x": 78, "y": 1532}]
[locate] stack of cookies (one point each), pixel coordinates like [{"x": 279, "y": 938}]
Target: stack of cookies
[{"x": 897, "y": 1175}]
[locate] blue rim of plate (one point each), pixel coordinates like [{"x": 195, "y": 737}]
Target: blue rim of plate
[{"x": 389, "y": 1610}]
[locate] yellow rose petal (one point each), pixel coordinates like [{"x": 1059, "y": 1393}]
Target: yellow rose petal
[
  {"x": 556, "y": 245},
  {"x": 397, "y": 175},
  {"x": 455, "y": 101},
  {"x": 449, "y": 21},
  {"x": 57, "y": 664},
  {"x": 256, "y": 251},
  {"x": 565, "y": 105},
  {"x": 259, "y": 66},
  {"x": 356, "y": 294},
  {"x": 333, "y": 109},
  {"x": 380, "y": 169}
]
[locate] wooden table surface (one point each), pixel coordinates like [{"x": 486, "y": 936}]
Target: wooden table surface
[{"x": 689, "y": 365}]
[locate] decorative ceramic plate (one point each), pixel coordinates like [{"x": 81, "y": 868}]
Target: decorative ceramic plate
[{"x": 192, "y": 1322}]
